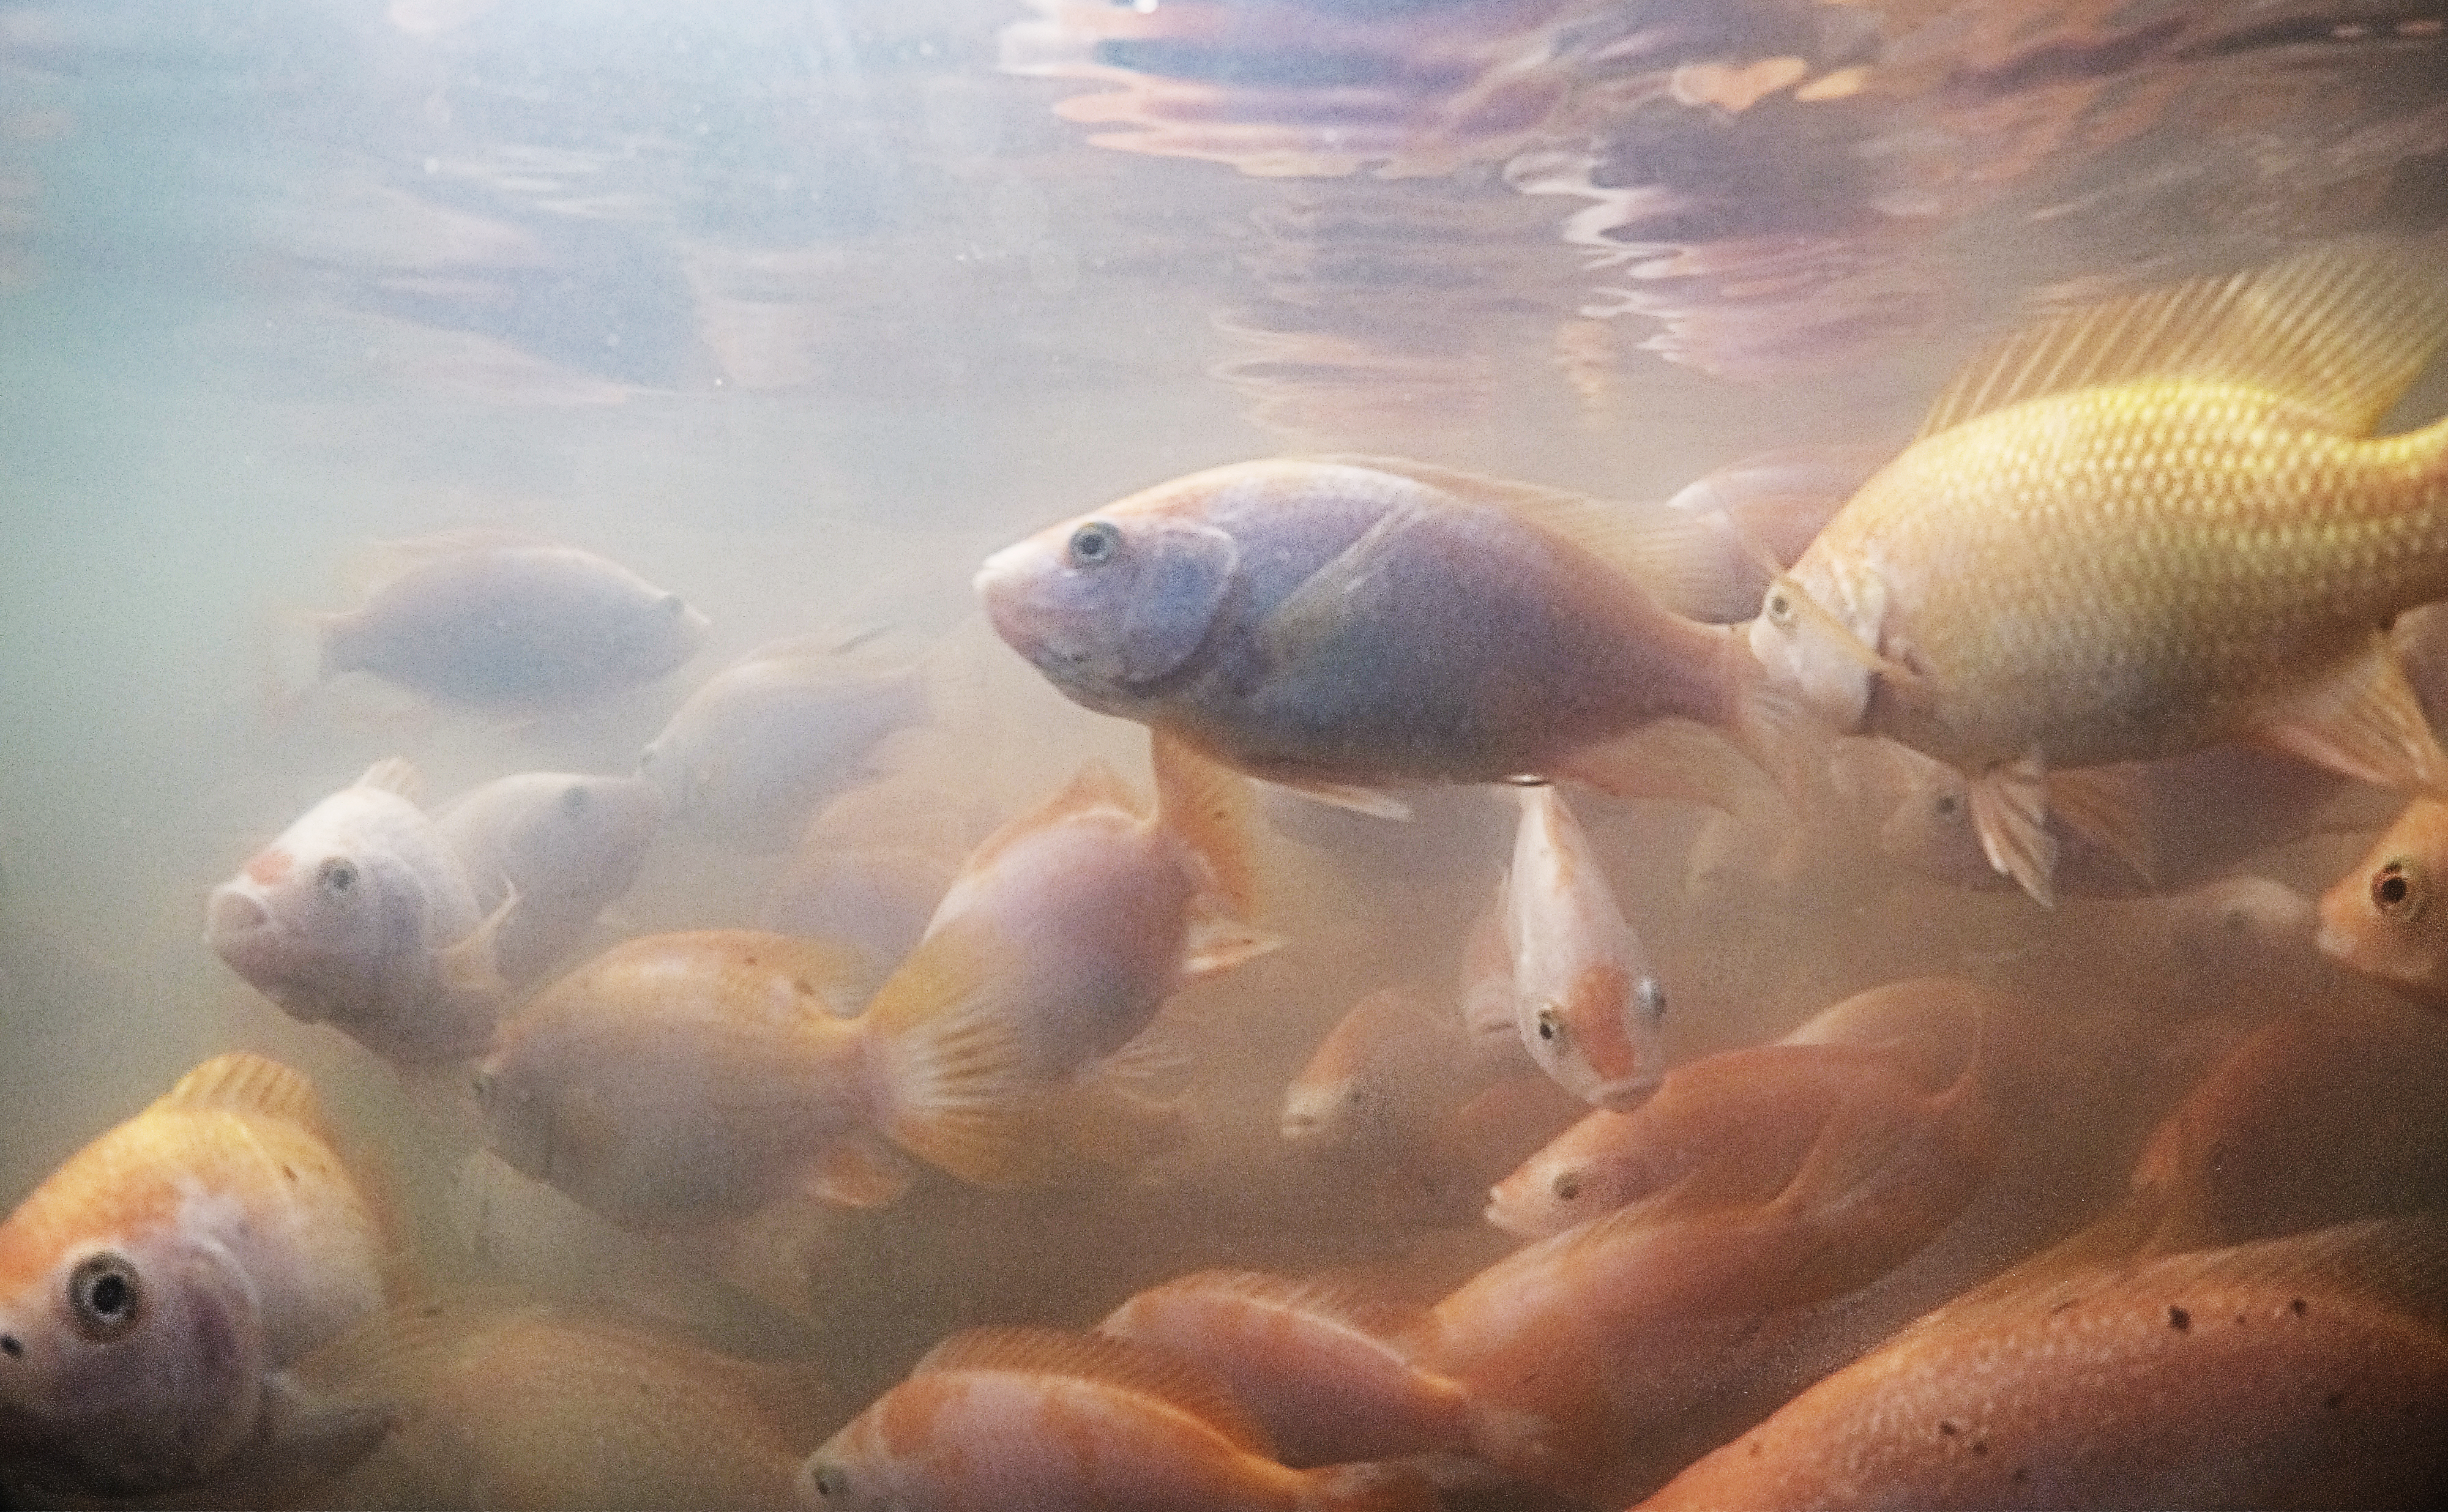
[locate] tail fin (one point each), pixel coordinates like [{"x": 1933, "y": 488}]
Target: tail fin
[{"x": 954, "y": 1083}]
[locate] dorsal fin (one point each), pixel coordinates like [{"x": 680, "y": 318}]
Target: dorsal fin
[
  {"x": 1340, "y": 1304},
  {"x": 1209, "y": 805},
  {"x": 1677, "y": 558},
  {"x": 394, "y": 774},
  {"x": 1136, "y": 1368},
  {"x": 2339, "y": 330},
  {"x": 1093, "y": 786},
  {"x": 246, "y": 1082}
]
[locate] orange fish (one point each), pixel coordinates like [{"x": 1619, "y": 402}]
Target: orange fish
[
  {"x": 525, "y": 1405},
  {"x": 1327, "y": 1370},
  {"x": 2141, "y": 529},
  {"x": 1002, "y": 1418},
  {"x": 157, "y": 1288},
  {"x": 1595, "y": 1360},
  {"x": 1066, "y": 932},
  {"x": 2305, "y": 1372},
  {"x": 682, "y": 1078},
  {"x": 2387, "y": 918},
  {"x": 1730, "y": 1127},
  {"x": 1385, "y": 1073}
]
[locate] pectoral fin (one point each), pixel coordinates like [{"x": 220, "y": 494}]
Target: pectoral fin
[
  {"x": 2105, "y": 806},
  {"x": 857, "y": 1171},
  {"x": 2009, "y": 810},
  {"x": 2363, "y": 722}
]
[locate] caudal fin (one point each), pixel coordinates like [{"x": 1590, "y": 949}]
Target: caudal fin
[{"x": 954, "y": 1081}]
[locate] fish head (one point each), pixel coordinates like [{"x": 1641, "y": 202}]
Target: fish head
[
  {"x": 1818, "y": 643},
  {"x": 661, "y": 631},
  {"x": 1598, "y": 1041},
  {"x": 131, "y": 1364},
  {"x": 314, "y": 925},
  {"x": 2387, "y": 920},
  {"x": 1546, "y": 1195},
  {"x": 831, "y": 1480},
  {"x": 1107, "y": 605}
]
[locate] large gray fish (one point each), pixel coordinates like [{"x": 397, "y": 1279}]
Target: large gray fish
[{"x": 1339, "y": 624}]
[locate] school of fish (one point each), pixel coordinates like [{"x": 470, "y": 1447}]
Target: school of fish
[{"x": 1627, "y": 1170}]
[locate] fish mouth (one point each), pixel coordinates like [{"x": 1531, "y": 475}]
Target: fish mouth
[{"x": 234, "y": 914}]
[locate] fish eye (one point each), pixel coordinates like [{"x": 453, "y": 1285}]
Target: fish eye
[
  {"x": 104, "y": 1296},
  {"x": 2398, "y": 893},
  {"x": 1947, "y": 804},
  {"x": 1651, "y": 996},
  {"x": 573, "y": 799},
  {"x": 336, "y": 875},
  {"x": 1551, "y": 1025},
  {"x": 829, "y": 1481},
  {"x": 1780, "y": 608},
  {"x": 1567, "y": 1185},
  {"x": 1094, "y": 544}
]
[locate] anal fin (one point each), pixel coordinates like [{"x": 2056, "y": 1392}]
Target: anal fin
[
  {"x": 2365, "y": 723},
  {"x": 2009, "y": 810}
]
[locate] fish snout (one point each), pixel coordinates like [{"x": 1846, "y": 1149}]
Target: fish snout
[{"x": 234, "y": 913}]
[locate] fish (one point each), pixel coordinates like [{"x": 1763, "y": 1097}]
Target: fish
[
  {"x": 563, "y": 844},
  {"x": 1597, "y": 1361},
  {"x": 2186, "y": 818},
  {"x": 997, "y": 1418},
  {"x": 360, "y": 915},
  {"x": 503, "y": 621},
  {"x": 1340, "y": 625},
  {"x": 871, "y": 868},
  {"x": 1585, "y": 1002},
  {"x": 692, "y": 1079},
  {"x": 753, "y": 752},
  {"x": 157, "y": 1288},
  {"x": 1765, "y": 508},
  {"x": 2381, "y": 919},
  {"x": 1384, "y": 1075},
  {"x": 2306, "y": 1370},
  {"x": 1068, "y": 928},
  {"x": 1325, "y": 1368},
  {"x": 1730, "y": 1127},
  {"x": 506, "y": 1402},
  {"x": 2136, "y": 530}
]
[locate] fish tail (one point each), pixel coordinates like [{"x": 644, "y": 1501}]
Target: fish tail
[{"x": 953, "y": 1081}]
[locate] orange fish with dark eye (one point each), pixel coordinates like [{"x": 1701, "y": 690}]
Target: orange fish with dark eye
[
  {"x": 156, "y": 1289},
  {"x": 2385, "y": 918}
]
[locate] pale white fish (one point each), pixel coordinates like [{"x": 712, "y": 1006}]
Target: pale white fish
[
  {"x": 362, "y": 916},
  {"x": 1585, "y": 1002},
  {"x": 565, "y": 845},
  {"x": 754, "y": 752}
]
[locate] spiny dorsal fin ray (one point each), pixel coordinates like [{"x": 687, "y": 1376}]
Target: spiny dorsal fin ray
[
  {"x": 1318, "y": 1301},
  {"x": 2339, "y": 330},
  {"x": 246, "y": 1082},
  {"x": 396, "y": 775},
  {"x": 1677, "y": 558},
  {"x": 1094, "y": 786},
  {"x": 1135, "y": 1368}
]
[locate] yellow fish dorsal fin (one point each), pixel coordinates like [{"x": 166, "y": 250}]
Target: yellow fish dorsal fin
[
  {"x": 1133, "y": 1367},
  {"x": 1677, "y": 558},
  {"x": 1209, "y": 805},
  {"x": 1094, "y": 786},
  {"x": 2339, "y": 330},
  {"x": 244, "y": 1081}
]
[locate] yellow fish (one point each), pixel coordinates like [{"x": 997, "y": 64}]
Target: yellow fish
[
  {"x": 2139, "y": 530},
  {"x": 155, "y": 1290}
]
